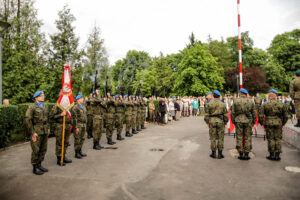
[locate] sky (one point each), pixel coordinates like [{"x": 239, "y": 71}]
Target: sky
[{"x": 164, "y": 26}]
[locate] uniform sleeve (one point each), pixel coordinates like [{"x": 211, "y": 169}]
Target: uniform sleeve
[
  {"x": 253, "y": 112},
  {"x": 225, "y": 113},
  {"x": 206, "y": 117},
  {"x": 74, "y": 117},
  {"x": 292, "y": 91},
  {"x": 28, "y": 119},
  {"x": 285, "y": 115},
  {"x": 48, "y": 119},
  {"x": 261, "y": 114}
]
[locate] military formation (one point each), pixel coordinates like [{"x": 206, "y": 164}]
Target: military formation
[{"x": 92, "y": 117}]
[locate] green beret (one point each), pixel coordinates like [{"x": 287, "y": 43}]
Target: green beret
[{"x": 297, "y": 73}]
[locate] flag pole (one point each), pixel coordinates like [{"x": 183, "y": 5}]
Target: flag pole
[{"x": 63, "y": 141}]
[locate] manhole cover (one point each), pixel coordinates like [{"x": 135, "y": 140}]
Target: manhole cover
[{"x": 156, "y": 149}]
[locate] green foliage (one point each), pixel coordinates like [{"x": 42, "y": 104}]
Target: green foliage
[
  {"x": 8, "y": 123},
  {"x": 276, "y": 76},
  {"x": 198, "y": 72}
]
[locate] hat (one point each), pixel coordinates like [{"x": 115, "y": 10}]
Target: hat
[
  {"x": 38, "y": 93},
  {"x": 174, "y": 97},
  {"x": 79, "y": 96},
  {"x": 297, "y": 73},
  {"x": 208, "y": 93},
  {"x": 242, "y": 90},
  {"x": 117, "y": 96},
  {"x": 126, "y": 95},
  {"x": 133, "y": 96},
  {"x": 273, "y": 91},
  {"x": 217, "y": 92}
]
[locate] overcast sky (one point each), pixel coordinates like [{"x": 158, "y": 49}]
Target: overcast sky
[{"x": 158, "y": 26}]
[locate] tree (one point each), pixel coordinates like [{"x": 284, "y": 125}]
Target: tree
[
  {"x": 64, "y": 49},
  {"x": 24, "y": 70},
  {"x": 198, "y": 72},
  {"x": 276, "y": 76}
]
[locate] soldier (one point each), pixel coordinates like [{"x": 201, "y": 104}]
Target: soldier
[
  {"x": 110, "y": 118},
  {"x": 138, "y": 114},
  {"x": 128, "y": 115},
  {"x": 79, "y": 120},
  {"x": 243, "y": 116},
  {"x": 37, "y": 122},
  {"x": 295, "y": 94},
  {"x": 57, "y": 116},
  {"x": 276, "y": 116},
  {"x": 120, "y": 106},
  {"x": 89, "y": 117},
  {"x": 98, "y": 109},
  {"x": 216, "y": 118},
  {"x": 144, "y": 110},
  {"x": 134, "y": 114}
]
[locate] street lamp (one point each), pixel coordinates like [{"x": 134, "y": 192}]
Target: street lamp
[{"x": 3, "y": 27}]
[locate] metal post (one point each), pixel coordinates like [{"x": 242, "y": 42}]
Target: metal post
[
  {"x": 0, "y": 68},
  {"x": 240, "y": 44}
]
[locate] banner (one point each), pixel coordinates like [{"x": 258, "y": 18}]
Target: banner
[{"x": 66, "y": 99}]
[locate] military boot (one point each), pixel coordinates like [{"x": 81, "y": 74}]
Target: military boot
[
  {"x": 43, "y": 169},
  {"x": 82, "y": 154},
  {"x": 220, "y": 155},
  {"x": 134, "y": 131},
  {"x": 37, "y": 171},
  {"x": 143, "y": 127},
  {"x": 247, "y": 156},
  {"x": 241, "y": 156},
  {"x": 138, "y": 128},
  {"x": 67, "y": 160},
  {"x": 298, "y": 123},
  {"x": 89, "y": 135},
  {"x": 77, "y": 154},
  {"x": 96, "y": 146},
  {"x": 271, "y": 156},
  {"x": 59, "y": 161},
  {"x": 277, "y": 158},
  {"x": 110, "y": 142},
  {"x": 127, "y": 134},
  {"x": 119, "y": 137},
  {"x": 213, "y": 154}
]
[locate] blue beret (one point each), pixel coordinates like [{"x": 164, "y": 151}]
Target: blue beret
[
  {"x": 297, "y": 73},
  {"x": 117, "y": 96},
  {"x": 79, "y": 96},
  {"x": 217, "y": 92},
  {"x": 173, "y": 96},
  {"x": 208, "y": 93},
  {"x": 244, "y": 91},
  {"x": 126, "y": 95},
  {"x": 273, "y": 91},
  {"x": 133, "y": 96},
  {"x": 38, "y": 93},
  {"x": 94, "y": 92}
]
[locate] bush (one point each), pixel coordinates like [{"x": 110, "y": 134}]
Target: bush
[{"x": 8, "y": 123}]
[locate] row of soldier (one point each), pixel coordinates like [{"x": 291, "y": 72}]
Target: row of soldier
[{"x": 91, "y": 116}]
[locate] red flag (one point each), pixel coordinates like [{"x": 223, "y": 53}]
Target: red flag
[
  {"x": 66, "y": 99},
  {"x": 230, "y": 125}
]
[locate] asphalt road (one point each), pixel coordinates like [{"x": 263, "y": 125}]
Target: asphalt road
[{"x": 161, "y": 163}]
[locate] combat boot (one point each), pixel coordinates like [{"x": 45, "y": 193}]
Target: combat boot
[
  {"x": 110, "y": 142},
  {"x": 220, "y": 155},
  {"x": 143, "y": 127},
  {"x": 271, "y": 156},
  {"x": 241, "y": 156},
  {"x": 134, "y": 131},
  {"x": 43, "y": 169},
  {"x": 277, "y": 158},
  {"x": 138, "y": 128},
  {"x": 298, "y": 123},
  {"x": 77, "y": 154},
  {"x": 67, "y": 160},
  {"x": 37, "y": 171},
  {"x": 119, "y": 137},
  {"x": 247, "y": 156},
  {"x": 89, "y": 135},
  {"x": 59, "y": 161},
  {"x": 82, "y": 154},
  {"x": 127, "y": 134},
  {"x": 213, "y": 154},
  {"x": 96, "y": 146}
]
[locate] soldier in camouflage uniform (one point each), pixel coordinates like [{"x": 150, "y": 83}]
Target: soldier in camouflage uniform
[
  {"x": 120, "y": 106},
  {"x": 216, "y": 117},
  {"x": 138, "y": 114},
  {"x": 144, "y": 110},
  {"x": 295, "y": 94},
  {"x": 37, "y": 122},
  {"x": 243, "y": 116},
  {"x": 98, "y": 109},
  {"x": 128, "y": 115},
  {"x": 110, "y": 118},
  {"x": 134, "y": 115},
  {"x": 57, "y": 116},
  {"x": 90, "y": 116},
  {"x": 79, "y": 120},
  {"x": 273, "y": 116}
]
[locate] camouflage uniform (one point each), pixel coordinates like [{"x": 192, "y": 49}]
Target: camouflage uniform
[
  {"x": 58, "y": 121},
  {"x": 144, "y": 110},
  {"x": 273, "y": 116},
  {"x": 128, "y": 116},
  {"x": 79, "y": 120},
  {"x": 138, "y": 115},
  {"x": 295, "y": 94},
  {"x": 134, "y": 117},
  {"x": 98, "y": 109},
  {"x": 243, "y": 116},
  {"x": 110, "y": 119},
  {"x": 89, "y": 126},
  {"x": 119, "y": 118},
  {"x": 37, "y": 121},
  {"x": 216, "y": 117}
]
